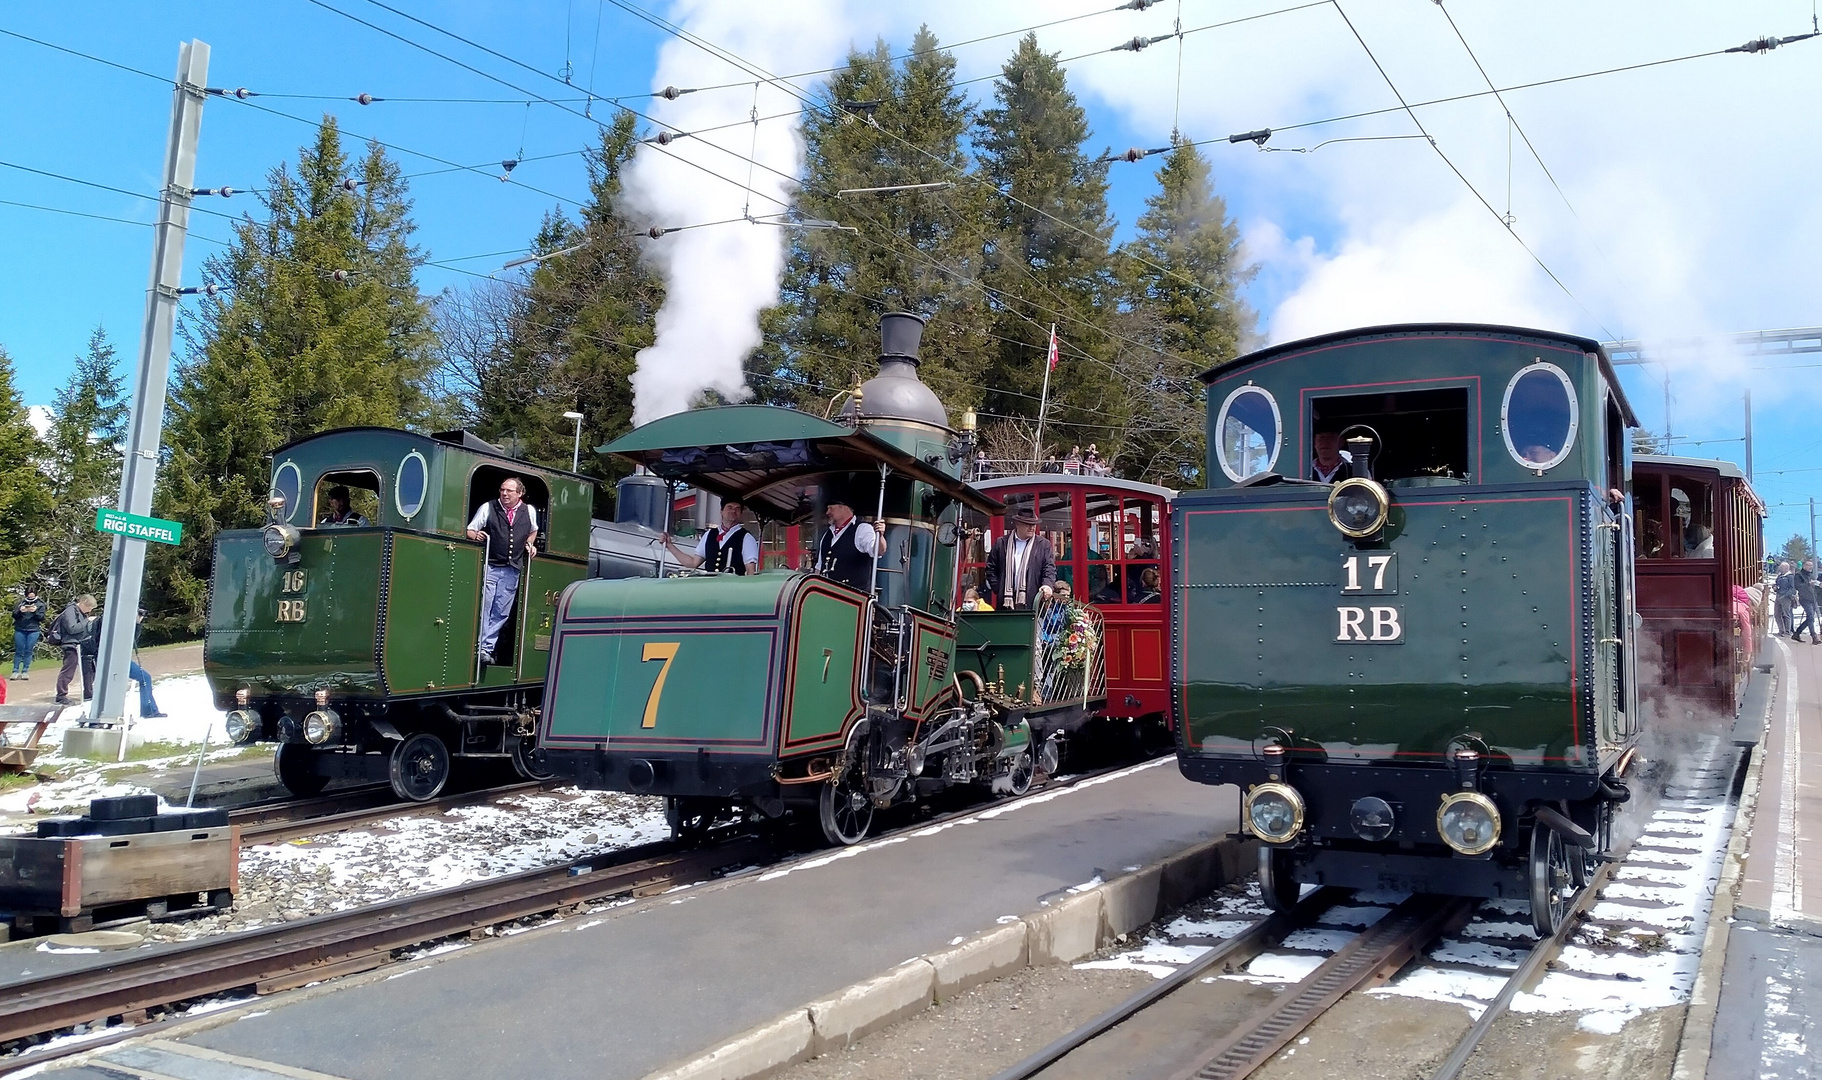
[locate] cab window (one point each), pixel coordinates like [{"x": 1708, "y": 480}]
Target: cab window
[
  {"x": 347, "y": 499},
  {"x": 1673, "y": 518},
  {"x": 484, "y": 486},
  {"x": 1421, "y": 433}
]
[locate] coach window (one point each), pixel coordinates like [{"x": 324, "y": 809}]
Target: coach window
[
  {"x": 1538, "y": 417},
  {"x": 1247, "y": 428},
  {"x": 1056, "y": 522},
  {"x": 1690, "y": 530}
]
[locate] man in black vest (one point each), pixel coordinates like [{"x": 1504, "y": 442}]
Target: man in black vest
[
  {"x": 510, "y": 529},
  {"x": 1022, "y": 567},
  {"x": 846, "y": 549},
  {"x": 730, "y": 548}
]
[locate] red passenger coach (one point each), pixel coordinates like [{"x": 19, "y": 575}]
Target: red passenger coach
[
  {"x": 1112, "y": 544},
  {"x": 1699, "y": 544}
]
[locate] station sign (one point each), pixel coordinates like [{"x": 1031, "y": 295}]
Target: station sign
[{"x": 135, "y": 527}]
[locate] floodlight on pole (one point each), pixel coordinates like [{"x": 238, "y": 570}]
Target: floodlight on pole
[{"x": 575, "y": 454}]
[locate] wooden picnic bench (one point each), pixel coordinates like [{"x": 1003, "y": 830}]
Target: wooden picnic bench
[{"x": 17, "y": 756}]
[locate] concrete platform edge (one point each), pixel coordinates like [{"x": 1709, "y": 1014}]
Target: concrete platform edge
[
  {"x": 1697, "y": 1040},
  {"x": 1066, "y": 930}
]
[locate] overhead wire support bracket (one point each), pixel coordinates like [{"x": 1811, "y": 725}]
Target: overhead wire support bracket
[
  {"x": 1140, "y": 43},
  {"x": 1259, "y": 136},
  {"x": 1766, "y": 44}
]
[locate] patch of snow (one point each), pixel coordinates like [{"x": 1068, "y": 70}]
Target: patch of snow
[{"x": 1156, "y": 958}]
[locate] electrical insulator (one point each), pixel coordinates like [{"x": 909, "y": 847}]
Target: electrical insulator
[
  {"x": 340, "y": 275},
  {"x": 664, "y": 138},
  {"x": 225, "y": 192},
  {"x": 349, "y": 184},
  {"x": 670, "y": 93},
  {"x": 243, "y": 93},
  {"x": 656, "y": 231},
  {"x": 364, "y": 99}
]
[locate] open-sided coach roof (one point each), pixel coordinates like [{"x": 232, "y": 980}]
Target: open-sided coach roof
[
  {"x": 1434, "y": 330},
  {"x": 766, "y": 456}
]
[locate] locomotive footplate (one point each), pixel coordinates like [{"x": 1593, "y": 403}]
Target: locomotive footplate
[{"x": 698, "y": 775}]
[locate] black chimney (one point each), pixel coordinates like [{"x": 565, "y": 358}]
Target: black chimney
[{"x": 900, "y": 332}]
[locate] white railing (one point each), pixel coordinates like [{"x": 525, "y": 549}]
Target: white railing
[{"x": 1069, "y": 657}]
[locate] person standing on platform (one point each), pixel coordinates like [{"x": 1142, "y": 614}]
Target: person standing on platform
[
  {"x": 28, "y": 627},
  {"x": 1022, "y": 567},
  {"x": 730, "y": 548},
  {"x": 1806, "y": 597},
  {"x": 68, "y": 632},
  {"x": 509, "y": 527},
  {"x": 1784, "y": 590},
  {"x": 847, "y": 548}
]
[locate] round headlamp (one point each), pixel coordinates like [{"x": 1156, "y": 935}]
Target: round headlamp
[
  {"x": 1468, "y": 822},
  {"x": 321, "y": 726},
  {"x": 280, "y": 539},
  {"x": 242, "y": 725},
  {"x": 1358, "y": 507},
  {"x": 1371, "y": 818},
  {"x": 1274, "y": 812}
]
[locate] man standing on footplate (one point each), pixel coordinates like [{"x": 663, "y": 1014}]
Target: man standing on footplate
[
  {"x": 730, "y": 548},
  {"x": 510, "y": 529},
  {"x": 847, "y": 548}
]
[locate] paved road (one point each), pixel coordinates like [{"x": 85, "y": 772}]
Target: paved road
[
  {"x": 160, "y": 662},
  {"x": 618, "y": 994}
]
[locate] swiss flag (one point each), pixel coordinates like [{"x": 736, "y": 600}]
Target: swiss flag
[{"x": 1052, "y": 357}]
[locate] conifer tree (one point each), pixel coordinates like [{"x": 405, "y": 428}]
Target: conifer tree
[
  {"x": 82, "y": 468},
  {"x": 1181, "y": 314},
  {"x": 25, "y": 494},
  {"x": 1048, "y": 258},
  {"x": 320, "y": 326},
  {"x": 893, "y": 123},
  {"x": 581, "y": 321}
]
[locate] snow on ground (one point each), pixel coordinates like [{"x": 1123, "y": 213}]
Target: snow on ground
[
  {"x": 409, "y": 855},
  {"x": 1638, "y": 948}
]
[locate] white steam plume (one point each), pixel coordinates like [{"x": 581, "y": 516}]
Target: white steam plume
[{"x": 719, "y": 279}]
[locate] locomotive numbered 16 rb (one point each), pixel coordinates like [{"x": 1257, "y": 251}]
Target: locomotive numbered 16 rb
[{"x": 1420, "y": 672}]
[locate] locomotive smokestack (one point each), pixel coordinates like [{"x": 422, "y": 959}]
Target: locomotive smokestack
[{"x": 900, "y": 334}]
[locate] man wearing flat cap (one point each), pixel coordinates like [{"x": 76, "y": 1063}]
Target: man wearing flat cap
[
  {"x": 846, "y": 549},
  {"x": 1021, "y": 568}
]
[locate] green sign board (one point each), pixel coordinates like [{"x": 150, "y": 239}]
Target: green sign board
[{"x": 134, "y": 527}]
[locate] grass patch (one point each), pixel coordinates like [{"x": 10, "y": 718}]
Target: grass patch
[{"x": 13, "y": 781}]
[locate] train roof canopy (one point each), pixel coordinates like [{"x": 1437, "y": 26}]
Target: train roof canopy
[
  {"x": 1725, "y": 468},
  {"x": 1438, "y": 329},
  {"x": 765, "y": 456}
]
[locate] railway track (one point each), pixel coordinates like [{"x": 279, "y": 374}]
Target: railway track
[
  {"x": 1371, "y": 958},
  {"x": 290, "y": 955},
  {"x": 289, "y": 819}
]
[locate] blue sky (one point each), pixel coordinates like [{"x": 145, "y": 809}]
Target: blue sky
[{"x": 1687, "y": 203}]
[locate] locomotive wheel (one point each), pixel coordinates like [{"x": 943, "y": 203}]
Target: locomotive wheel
[
  {"x": 293, "y": 764},
  {"x": 420, "y": 767},
  {"x": 1279, "y": 889},
  {"x": 522, "y": 762},
  {"x": 1553, "y": 885},
  {"x": 689, "y": 818},
  {"x": 1017, "y": 780}
]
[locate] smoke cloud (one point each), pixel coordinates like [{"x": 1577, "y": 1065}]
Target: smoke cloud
[{"x": 720, "y": 278}]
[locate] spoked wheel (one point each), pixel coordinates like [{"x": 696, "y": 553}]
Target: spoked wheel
[
  {"x": 420, "y": 767},
  {"x": 844, "y": 806},
  {"x": 295, "y": 766},
  {"x": 689, "y": 818},
  {"x": 1553, "y": 886},
  {"x": 1017, "y": 779},
  {"x": 524, "y": 760},
  {"x": 1276, "y": 885}
]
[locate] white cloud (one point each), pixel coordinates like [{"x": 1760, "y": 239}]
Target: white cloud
[{"x": 40, "y": 417}]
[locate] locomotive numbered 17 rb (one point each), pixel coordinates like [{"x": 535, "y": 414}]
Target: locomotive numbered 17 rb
[{"x": 1419, "y": 673}]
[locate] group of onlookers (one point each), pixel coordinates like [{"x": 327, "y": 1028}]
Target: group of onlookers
[
  {"x": 76, "y": 632},
  {"x": 1794, "y": 592},
  {"x": 1078, "y": 462}
]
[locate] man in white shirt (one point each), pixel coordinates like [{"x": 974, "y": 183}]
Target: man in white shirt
[
  {"x": 847, "y": 548},
  {"x": 509, "y": 528},
  {"x": 730, "y": 548}
]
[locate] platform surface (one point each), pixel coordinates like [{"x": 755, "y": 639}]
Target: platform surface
[
  {"x": 1768, "y": 1021},
  {"x": 620, "y": 993}
]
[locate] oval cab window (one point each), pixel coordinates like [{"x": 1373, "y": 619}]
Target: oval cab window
[
  {"x": 286, "y": 484},
  {"x": 408, "y": 489},
  {"x": 1538, "y": 417},
  {"x": 1247, "y": 427}
]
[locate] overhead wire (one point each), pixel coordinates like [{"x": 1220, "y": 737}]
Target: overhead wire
[
  {"x": 105, "y": 217},
  {"x": 1409, "y": 111}
]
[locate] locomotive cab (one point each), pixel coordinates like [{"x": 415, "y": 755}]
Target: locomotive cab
[{"x": 1405, "y": 610}]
